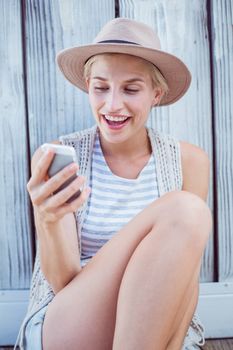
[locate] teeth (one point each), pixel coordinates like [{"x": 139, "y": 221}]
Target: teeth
[{"x": 115, "y": 119}]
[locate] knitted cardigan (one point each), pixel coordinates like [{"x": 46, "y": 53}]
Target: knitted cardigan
[{"x": 166, "y": 150}]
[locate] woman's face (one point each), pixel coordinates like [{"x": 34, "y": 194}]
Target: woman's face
[{"x": 121, "y": 95}]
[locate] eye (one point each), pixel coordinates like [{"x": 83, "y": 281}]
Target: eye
[
  {"x": 99, "y": 88},
  {"x": 131, "y": 91},
  {"x": 131, "y": 88}
]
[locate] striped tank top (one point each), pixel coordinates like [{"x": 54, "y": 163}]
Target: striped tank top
[{"x": 113, "y": 201}]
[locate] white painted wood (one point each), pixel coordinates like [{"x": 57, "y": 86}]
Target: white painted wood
[
  {"x": 15, "y": 247},
  {"x": 215, "y": 309},
  {"x": 13, "y": 306},
  {"x": 182, "y": 29},
  {"x": 222, "y": 37},
  {"x": 55, "y": 106}
]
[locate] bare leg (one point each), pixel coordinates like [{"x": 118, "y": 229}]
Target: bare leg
[
  {"x": 189, "y": 306},
  {"x": 155, "y": 286},
  {"x": 84, "y": 312},
  {"x": 185, "y": 315}
]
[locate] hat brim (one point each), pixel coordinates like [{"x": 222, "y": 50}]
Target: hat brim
[{"x": 71, "y": 62}]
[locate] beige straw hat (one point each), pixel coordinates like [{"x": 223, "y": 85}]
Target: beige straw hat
[{"x": 127, "y": 36}]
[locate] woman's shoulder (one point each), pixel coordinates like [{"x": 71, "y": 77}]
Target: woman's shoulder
[
  {"x": 190, "y": 150},
  {"x": 193, "y": 155},
  {"x": 195, "y": 168}
]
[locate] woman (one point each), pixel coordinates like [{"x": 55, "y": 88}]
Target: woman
[{"x": 122, "y": 273}]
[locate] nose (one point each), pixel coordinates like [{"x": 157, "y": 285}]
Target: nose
[{"x": 114, "y": 101}]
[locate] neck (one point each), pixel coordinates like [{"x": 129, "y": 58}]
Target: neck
[{"x": 136, "y": 146}]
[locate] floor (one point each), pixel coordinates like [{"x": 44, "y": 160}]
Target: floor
[{"x": 221, "y": 344}]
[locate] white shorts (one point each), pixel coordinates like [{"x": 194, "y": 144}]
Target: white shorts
[{"x": 33, "y": 331}]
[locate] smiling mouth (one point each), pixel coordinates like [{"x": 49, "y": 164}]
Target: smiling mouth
[{"x": 116, "y": 120}]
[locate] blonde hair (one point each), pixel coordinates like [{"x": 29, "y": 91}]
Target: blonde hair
[{"x": 158, "y": 79}]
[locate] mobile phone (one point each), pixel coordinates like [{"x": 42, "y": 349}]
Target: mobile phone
[{"x": 64, "y": 155}]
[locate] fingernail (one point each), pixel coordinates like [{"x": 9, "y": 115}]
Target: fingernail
[
  {"x": 72, "y": 166},
  {"x": 48, "y": 151}
]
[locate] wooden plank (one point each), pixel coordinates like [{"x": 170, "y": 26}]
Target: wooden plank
[
  {"x": 13, "y": 305},
  {"x": 215, "y": 309},
  {"x": 55, "y": 106},
  {"x": 182, "y": 28},
  {"x": 219, "y": 344},
  {"x": 222, "y": 38},
  {"x": 15, "y": 247}
]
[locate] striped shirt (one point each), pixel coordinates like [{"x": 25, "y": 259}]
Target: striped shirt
[{"x": 113, "y": 201}]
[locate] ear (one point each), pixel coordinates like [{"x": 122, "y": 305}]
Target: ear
[
  {"x": 87, "y": 83},
  {"x": 157, "y": 96}
]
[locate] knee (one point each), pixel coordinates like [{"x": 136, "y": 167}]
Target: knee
[{"x": 189, "y": 213}]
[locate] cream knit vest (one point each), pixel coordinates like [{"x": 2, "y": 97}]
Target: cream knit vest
[{"x": 166, "y": 149}]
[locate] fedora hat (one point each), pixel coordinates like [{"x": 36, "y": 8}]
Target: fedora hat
[{"x": 127, "y": 36}]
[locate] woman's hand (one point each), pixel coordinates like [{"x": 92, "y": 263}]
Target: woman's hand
[{"x": 51, "y": 208}]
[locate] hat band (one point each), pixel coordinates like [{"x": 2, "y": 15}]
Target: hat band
[
  {"x": 122, "y": 42},
  {"x": 117, "y": 41}
]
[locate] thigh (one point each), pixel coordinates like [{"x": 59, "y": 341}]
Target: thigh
[
  {"x": 82, "y": 315},
  {"x": 84, "y": 311}
]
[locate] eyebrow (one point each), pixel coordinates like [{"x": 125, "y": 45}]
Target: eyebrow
[{"x": 133, "y": 80}]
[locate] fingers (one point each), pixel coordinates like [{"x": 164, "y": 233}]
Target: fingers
[
  {"x": 77, "y": 203},
  {"x": 41, "y": 169},
  {"x": 50, "y": 206},
  {"x": 50, "y": 186},
  {"x": 62, "y": 196},
  {"x": 74, "y": 205}
]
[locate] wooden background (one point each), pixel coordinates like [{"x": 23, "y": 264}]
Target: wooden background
[{"x": 37, "y": 105}]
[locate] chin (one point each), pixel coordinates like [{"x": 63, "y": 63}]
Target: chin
[{"x": 116, "y": 139}]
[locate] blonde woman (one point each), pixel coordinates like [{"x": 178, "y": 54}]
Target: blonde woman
[{"x": 118, "y": 267}]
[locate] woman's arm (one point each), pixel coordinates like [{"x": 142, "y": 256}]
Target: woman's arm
[
  {"x": 59, "y": 252},
  {"x": 196, "y": 169},
  {"x": 58, "y": 241}
]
